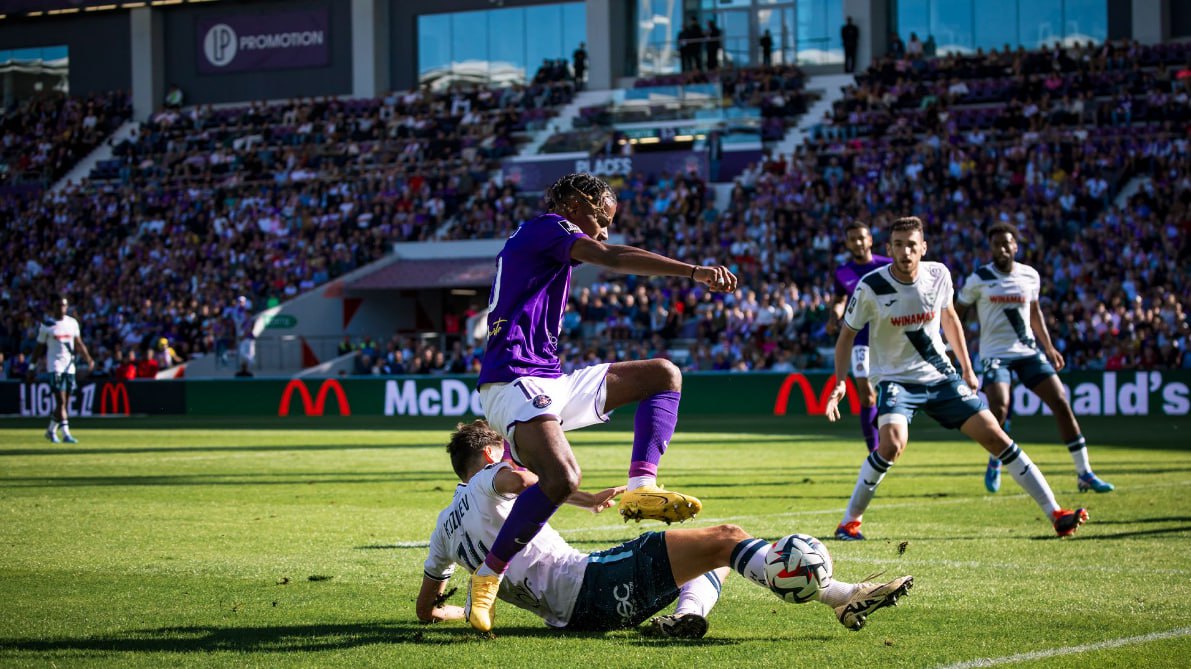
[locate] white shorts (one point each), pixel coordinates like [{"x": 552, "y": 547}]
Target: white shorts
[
  {"x": 248, "y": 351},
  {"x": 860, "y": 362},
  {"x": 576, "y": 399}
]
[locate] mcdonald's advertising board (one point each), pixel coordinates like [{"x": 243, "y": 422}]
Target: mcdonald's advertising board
[{"x": 1133, "y": 393}]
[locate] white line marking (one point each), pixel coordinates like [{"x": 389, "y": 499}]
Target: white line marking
[{"x": 1070, "y": 650}]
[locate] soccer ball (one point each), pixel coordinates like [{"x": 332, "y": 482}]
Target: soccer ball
[{"x": 796, "y": 568}]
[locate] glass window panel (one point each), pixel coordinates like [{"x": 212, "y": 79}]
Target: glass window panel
[
  {"x": 469, "y": 43},
  {"x": 1040, "y": 22},
  {"x": 506, "y": 39},
  {"x": 658, "y": 23},
  {"x": 913, "y": 16},
  {"x": 737, "y": 46},
  {"x": 952, "y": 24},
  {"x": 996, "y": 24},
  {"x": 574, "y": 27},
  {"x": 819, "y": 22},
  {"x": 543, "y": 36},
  {"x": 1086, "y": 20},
  {"x": 434, "y": 43}
]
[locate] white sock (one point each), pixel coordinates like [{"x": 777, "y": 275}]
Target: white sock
[
  {"x": 65, "y": 429},
  {"x": 53, "y": 425},
  {"x": 1078, "y": 448},
  {"x": 641, "y": 481},
  {"x": 699, "y": 595},
  {"x": 1022, "y": 469},
  {"x": 871, "y": 473},
  {"x": 748, "y": 559},
  {"x": 836, "y": 593}
]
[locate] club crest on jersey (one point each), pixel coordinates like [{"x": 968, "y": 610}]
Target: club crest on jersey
[
  {"x": 542, "y": 401},
  {"x": 569, "y": 226}
]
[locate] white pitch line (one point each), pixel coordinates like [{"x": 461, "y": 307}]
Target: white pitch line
[{"x": 1069, "y": 650}]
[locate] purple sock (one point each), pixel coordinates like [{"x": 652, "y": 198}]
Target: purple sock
[
  {"x": 868, "y": 427},
  {"x": 527, "y": 517},
  {"x": 653, "y": 427}
]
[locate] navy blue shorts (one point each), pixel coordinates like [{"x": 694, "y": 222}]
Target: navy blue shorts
[
  {"x": 62, "y": 383},
  {"x": 1030, "y": 370},
  {"x": 950, "y": 401},
  {"x": 625, "y": 585}
]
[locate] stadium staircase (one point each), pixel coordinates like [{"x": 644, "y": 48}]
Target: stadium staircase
[
  {"x": 564, "y": 121},
  {"x": 82, "y": 170},
  {"x": 831, "y": 88}
]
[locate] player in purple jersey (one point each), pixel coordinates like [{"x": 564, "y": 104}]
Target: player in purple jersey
[
  {"x": 528, "y": 399},
  {"x": 859, "y": 242}
]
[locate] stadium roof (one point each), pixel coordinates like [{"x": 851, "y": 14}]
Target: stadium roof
[{"x": 429, "y": 273}]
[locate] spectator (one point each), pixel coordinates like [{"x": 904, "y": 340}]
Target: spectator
[
  {"x": 765, "y": 45},
  {"x": 850, "y": 35}
]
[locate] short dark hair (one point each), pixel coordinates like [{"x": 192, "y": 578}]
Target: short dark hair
[
  {"x": 858, "y": 225},
  {"x": 583, "y": 185},
  {"x": 906, "y": 224},
  {"x": 468, "y": 441},
  {"x": 57, "y": 298},
  {"x": 1002, "y": 227}
]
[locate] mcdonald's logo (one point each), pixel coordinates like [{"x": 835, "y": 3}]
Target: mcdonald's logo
[
  {"x": 114, "y": 393},
  {"x": 315, "y": 407},
  {"x": 816, "y": 404}
]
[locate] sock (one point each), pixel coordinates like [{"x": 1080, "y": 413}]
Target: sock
[
  {"x": 748, "y": 559},
  {"x": 1078, "y": 448},
  {"x": 871, "y": 473},
  {"x": 527, "y": 517},
  {"x": 65, "y": 428},
  {"x": 699, "y": 595},
  {"x": 653, "y": 427},
  {"x": 1022, "y": 469},
  {"x": 868, "y": 427},
  {"x": 836, "y": 593},
  {"x": 993, "y": 462},
  {"x": 53, "y": 426}
]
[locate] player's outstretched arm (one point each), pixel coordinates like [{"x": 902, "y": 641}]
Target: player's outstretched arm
[
  {"x": 632, "y": 260},
  {"x": 598, "y": 501},
  {"x": 843, "y": 353},
  {"x": 430, "y": 607}
]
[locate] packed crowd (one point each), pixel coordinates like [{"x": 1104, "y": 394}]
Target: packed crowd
[
  {"x": 203, "y": 205},
  {"x": 274, "y": 232},
  {"x": 42, "y": 137}
]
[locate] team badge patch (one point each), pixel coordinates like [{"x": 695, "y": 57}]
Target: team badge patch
[{"x": 542, "y": 401}]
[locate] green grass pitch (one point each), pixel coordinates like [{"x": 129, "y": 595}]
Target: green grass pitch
[{"x": 299, "y": 542}]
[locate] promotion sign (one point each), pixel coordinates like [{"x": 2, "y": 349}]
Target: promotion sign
[
  {"x": 274, "y": 41},
  {"x": 538, "y": 175}
]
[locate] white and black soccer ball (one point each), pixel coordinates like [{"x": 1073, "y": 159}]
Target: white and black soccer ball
[{"x": 797, "y": 567}]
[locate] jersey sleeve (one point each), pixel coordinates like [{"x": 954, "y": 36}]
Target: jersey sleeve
[
  {"x": 946, "y": 292},
  {"x": 484, "y": 482},
  {"x": 439, "y": 565},
  {"x": 860, "y": 307},
  {"x": 554, "y": 237},
  {"x": 1035, "y": 285},
  {"x": 969, "y": 294},
  {"x": 43, "y": 334}
]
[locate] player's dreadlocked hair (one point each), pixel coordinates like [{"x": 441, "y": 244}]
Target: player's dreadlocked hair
[
  {"x": 906, "y": 224},
  {"x": 468, "y": 442},
  {"x": 1001, "y": 227},
  {"x": 587, "y": 187}
]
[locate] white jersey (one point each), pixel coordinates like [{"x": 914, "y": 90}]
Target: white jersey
[
  {"x": 58, "y": 337},
  {"x": 1003, "y": 305},
  {"x": 544, "y": 578},
  {"x": 903, "y": 320}
]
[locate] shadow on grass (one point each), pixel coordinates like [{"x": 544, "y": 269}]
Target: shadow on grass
[
  {"x": 445, "y": 485},
  {"x": 307, "y": 638}
]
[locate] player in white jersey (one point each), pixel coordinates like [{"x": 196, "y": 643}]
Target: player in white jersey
[
  {"x": 1014, "y": 340},
  {"x": 610, "y": 589},
  {"x": 60, "y": 345},
  {"x": 905, "y": 304}
]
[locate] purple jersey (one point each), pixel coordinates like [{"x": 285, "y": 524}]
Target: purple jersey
[
  {"x": 847, "y": 276},
  {"x": 529, "y": 295}
]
